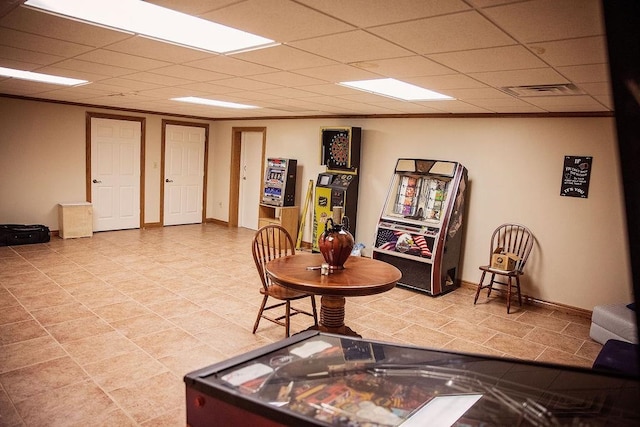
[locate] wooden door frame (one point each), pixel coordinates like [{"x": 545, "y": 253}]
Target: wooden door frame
[
  {"x": 234, "y": 178},
  {"x": 205, "y": 165},
  {"x": 143, "y": 122}
]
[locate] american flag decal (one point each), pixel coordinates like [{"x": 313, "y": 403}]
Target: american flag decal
[{"x": 401, "y": 241}]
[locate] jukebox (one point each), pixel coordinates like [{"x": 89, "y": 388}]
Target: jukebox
[{"x": 420, "y": 227}]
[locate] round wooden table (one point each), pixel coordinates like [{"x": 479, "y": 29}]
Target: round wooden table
[{"x": 361, "y": 276}]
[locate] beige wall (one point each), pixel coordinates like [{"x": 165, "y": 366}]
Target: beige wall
[{"x": 515, "y": 167}]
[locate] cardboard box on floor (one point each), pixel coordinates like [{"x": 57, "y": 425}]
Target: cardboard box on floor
[{"x": 501, "y": 260}]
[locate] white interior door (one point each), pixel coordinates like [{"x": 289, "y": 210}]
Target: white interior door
[
  {"x": 184, "y": 174},
  {"x": 115, "y": 173},
  {"x": 250, "y": 179}
]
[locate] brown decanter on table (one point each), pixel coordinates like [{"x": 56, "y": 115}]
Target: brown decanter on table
[{"x": 336, "y": 243}]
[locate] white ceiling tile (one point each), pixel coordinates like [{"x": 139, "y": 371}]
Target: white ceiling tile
[
  {"x": 407, "y": 107},
  {"x": 155, "y": 49},
  {"x": 204, "y": 88},
  {"x": 491, "y": 59},
  {"x": 543, "y": 20},
  {"x": 538, "y": 76},
  {"x": 294, "y": 21},
  {"x": 558, "y": 101},
  {"x": 451, "y": 81},
  {"x": 327, "y": 100},
  {"x": 408, "y": 66},
  {"x": 454, "y": 107},
  {"x": 156, "y": 79},
  {"x": 605, "y": 100},
  {"x": 381, "y": 12},
  {"x": 364, "y": 97},
  {"x": 73, "y": 73},
  {"x": 22, "y": 55},
  {"x": 287, "y": 92},
  {"x": 58, "y": 28},
  {"x": 130, "y": 85},
  {"x": 230, "y": 65},
  {"x": 352, "y": 46},
  {"x": 190, "y": 73},
  {"x": 109, "y": 88},
  {"x": 245, "y": 84},
  {"x": 590, "y": 108},
  {"x": 306, "y": 103},
  {"x": 337, "y": 73},
  {"x": 509, "y": 101},
  {"x": 192, "y": 7},
  {"x": 109, "y": 57},
  {"x": 284, "y": 57},
  {"x": 74, "y": 94},
  {"x": 330, "y": 89},
  {"x": 36, "y": 43},
  {"x": 170, "y": 92},
  {"x": 460, "y": 31},
  {"x": 93, "y": 67},
  {"x": 24, "y": 87},
  {"x": 19, "y": 65},
  {"x": 599, "y": 88},
  {"x": 258, "y": 96},
  {"x": 479, "y": 93},
  {"x": 283, "y": 78},
  {"x": 518, "y": 109},
  {"x": 586, "y": 73},
  {"x": 587, "y": 50}
]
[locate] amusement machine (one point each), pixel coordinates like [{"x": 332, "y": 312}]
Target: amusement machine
[
  {"x": 279, "y": 187},
  {"x": 338, "y": 186},
  {"x": 278, "y": 202},
  {"x": 420, "y": 227}
]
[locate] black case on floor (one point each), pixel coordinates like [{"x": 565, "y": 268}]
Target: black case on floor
[{"x": 17, "y": 234}]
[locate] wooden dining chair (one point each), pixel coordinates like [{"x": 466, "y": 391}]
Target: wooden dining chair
[
  {"x": 510, "y": 238},
  {"x": 270, "y": 242}
]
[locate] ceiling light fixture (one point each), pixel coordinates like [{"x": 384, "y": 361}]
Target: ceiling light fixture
[
  {"x": 156, "y": 22},
  {"x": 39, "y": 77},
  {"x": 212, "y": 102},
  {"x": 396, "y": 89}
]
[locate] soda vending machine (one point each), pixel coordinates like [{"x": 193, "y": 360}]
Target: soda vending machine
[
  {"x": 280, "y": 182},
  {"x": 338, "y": 186},
  {"x": 420, "y": 227}
]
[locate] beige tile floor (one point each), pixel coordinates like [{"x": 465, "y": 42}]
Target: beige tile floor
[{"x": 100, "y": 331}]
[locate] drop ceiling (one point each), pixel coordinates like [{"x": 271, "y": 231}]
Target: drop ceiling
[{"x": 468, "y": 49}]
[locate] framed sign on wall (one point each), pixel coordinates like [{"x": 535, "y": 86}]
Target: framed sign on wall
[{"x": 576, "y": 174}]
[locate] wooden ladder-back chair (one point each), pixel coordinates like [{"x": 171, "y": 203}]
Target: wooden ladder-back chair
[
  {"x": 270, "y": 242},
  {"x": 509, "y": 238}
]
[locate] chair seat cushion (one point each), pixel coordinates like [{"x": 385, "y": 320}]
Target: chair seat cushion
[
  {"x": 488, "y": 269},
  {"x": 280, "y": 292},
  {"x": 613, "y": 321}
]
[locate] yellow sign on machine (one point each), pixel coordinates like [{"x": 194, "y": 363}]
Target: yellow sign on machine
[{"x": 322, "y": 211}]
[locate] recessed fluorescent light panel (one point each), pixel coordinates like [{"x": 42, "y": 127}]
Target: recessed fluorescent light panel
[
  {"x": 396, "y": 89},
  {"x": 39, "y": 77},
  {"x": 150, "y": 20},
  {"x": 213, "y": 102}
]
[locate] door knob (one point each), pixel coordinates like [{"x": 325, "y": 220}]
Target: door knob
[
  {"x": 168, "y": 180},
  {"x": 95, "y": 181}
]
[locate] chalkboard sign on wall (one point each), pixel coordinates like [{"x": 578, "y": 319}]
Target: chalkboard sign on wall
[{"x": 575, "y": 176}]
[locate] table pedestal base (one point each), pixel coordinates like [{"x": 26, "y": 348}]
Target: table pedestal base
[{"x": 332, "y": 316}]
